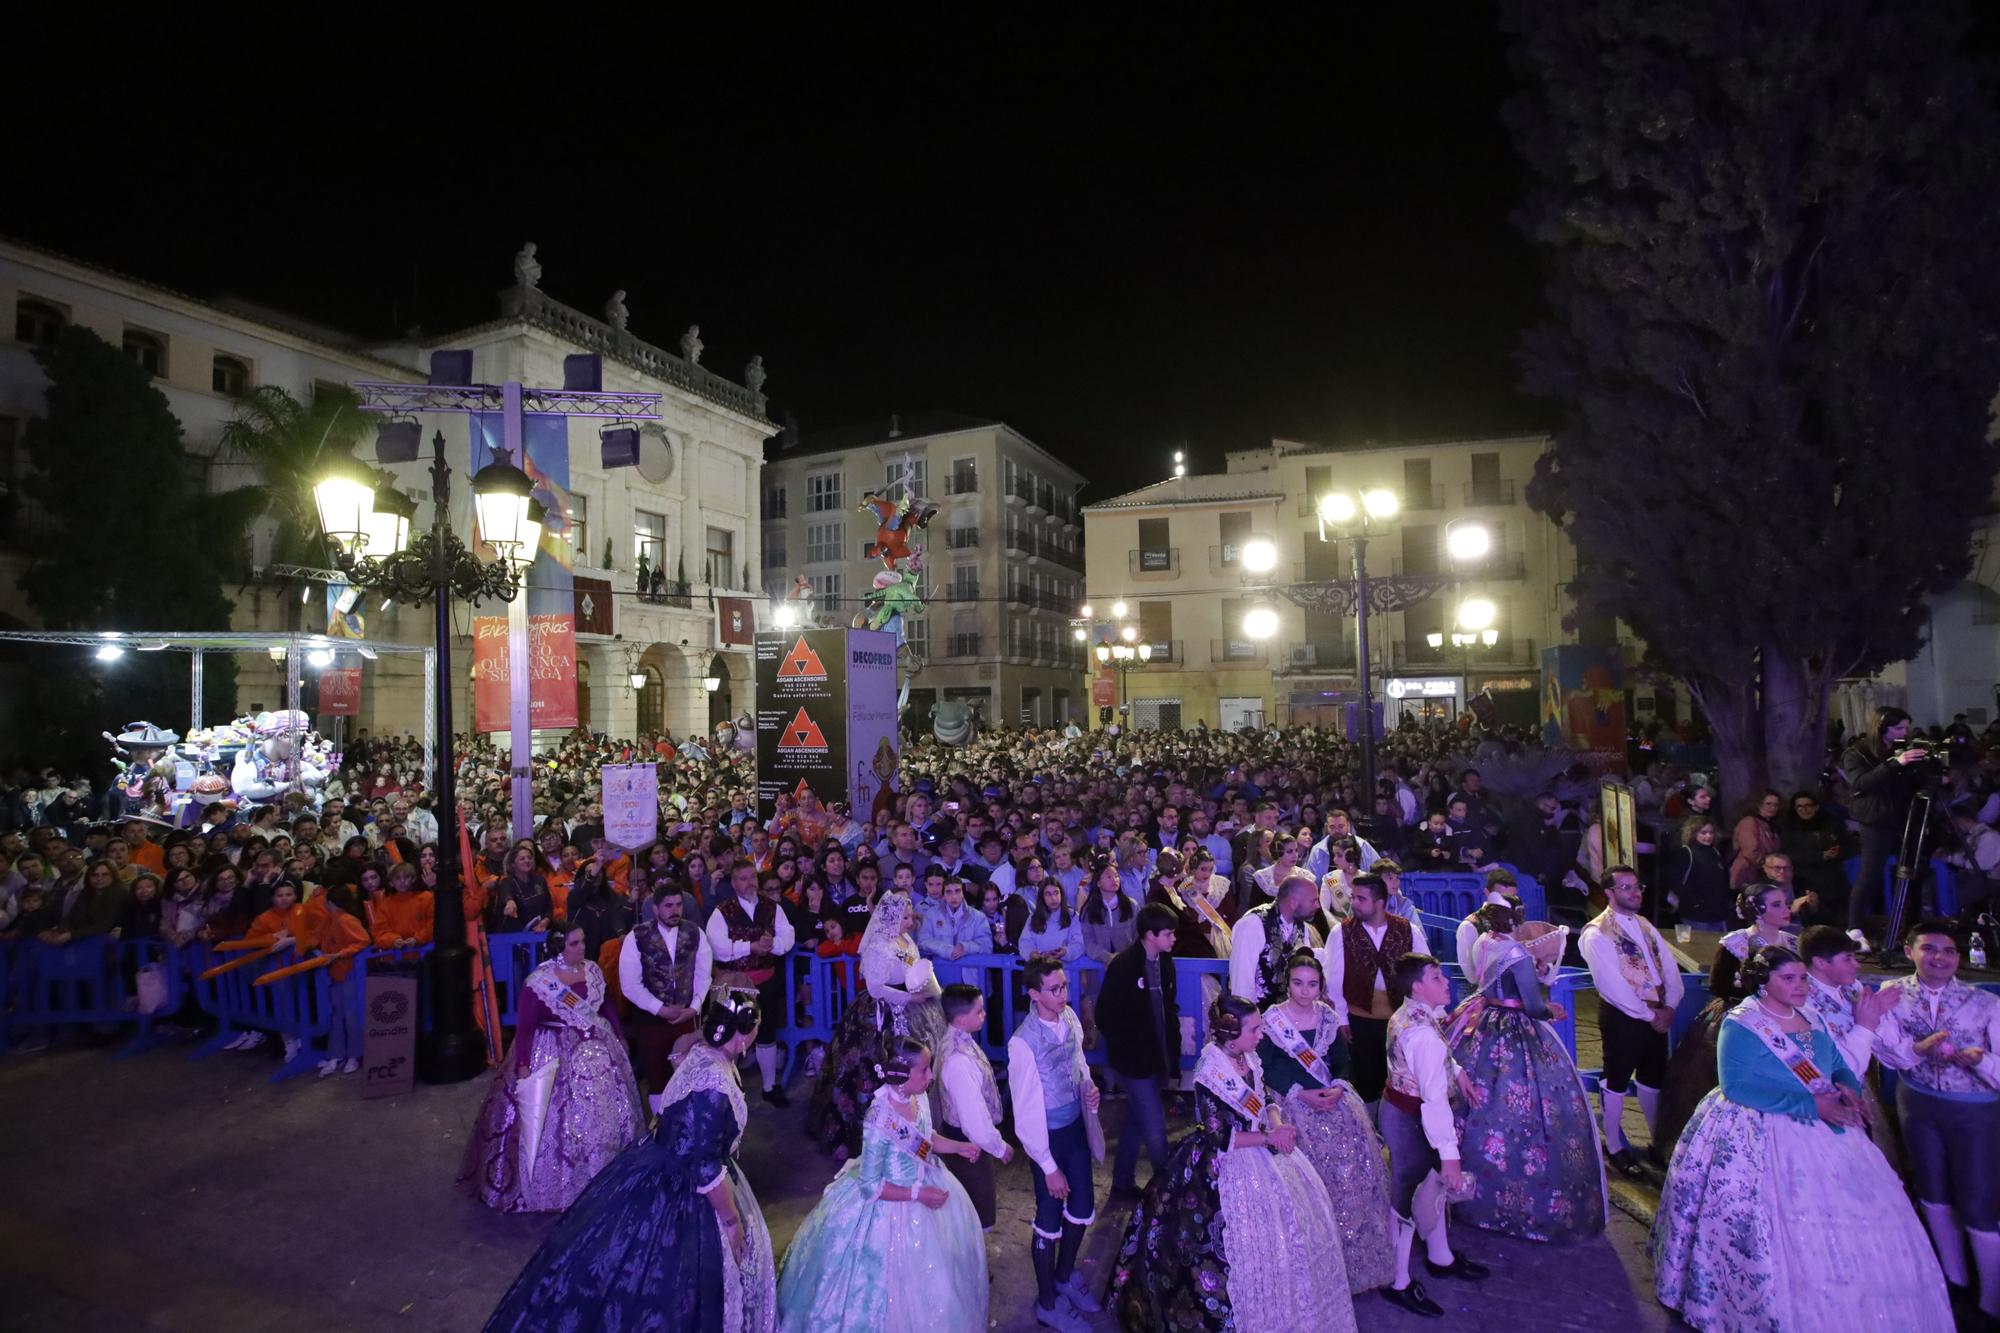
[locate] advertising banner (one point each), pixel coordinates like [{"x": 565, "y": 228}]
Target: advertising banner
[
  {"x": 801, "y": 714},
  {"x": 551, "y": 590},
  {"x": 388, "y": 1035},
  {"x": 871, "y": 722},
  {"x": 631, "y": 804},
  {"x": 340, "y": 692},
  {"x": 344, "y": 618}
]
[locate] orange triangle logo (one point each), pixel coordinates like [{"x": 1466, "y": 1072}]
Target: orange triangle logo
[
  {"x": 802, "y": 733},
  {"x": 802, "y": 663},
  {"x": 802, "y": 790}
]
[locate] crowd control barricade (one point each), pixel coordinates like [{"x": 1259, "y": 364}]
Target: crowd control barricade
[
  {"x": 1573, "y": 982},
  {"x": 1460, "y": 895},
  {"x": 93, "y": 982},
  {"x": 297, "y": 1004},
  {"x": 509, "y": 960}
]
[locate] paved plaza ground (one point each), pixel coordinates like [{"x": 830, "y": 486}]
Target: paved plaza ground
[{"x": 160, "y": 1193}]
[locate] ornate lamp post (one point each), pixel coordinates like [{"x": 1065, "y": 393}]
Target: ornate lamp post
[
  {"x": 1123, "y": 656},
  {"x": 369, "y": 526}
]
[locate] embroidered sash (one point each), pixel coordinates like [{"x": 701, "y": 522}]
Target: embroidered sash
[
  {"x": 1246, "y": 1097},
  {"x": 1792, "y": 1053},
  {"x": 1285, "y": 1035},
  {"x": 911, "y": 1136},
  {"x": 578, "y": 1011}
]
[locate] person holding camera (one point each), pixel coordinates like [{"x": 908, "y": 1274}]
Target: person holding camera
[{"x": 1884, "y": 774}]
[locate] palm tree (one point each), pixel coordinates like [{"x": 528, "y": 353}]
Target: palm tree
[{"x": 290, "y": 443}]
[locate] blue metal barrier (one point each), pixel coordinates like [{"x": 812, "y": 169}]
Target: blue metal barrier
[
  {"x": 1442, "y": 934},
  {"x": 1459, "y": 895},
  {"x": 90, "y": 982},
  {"x": 1572, "y": 982},
  {"x": 299, "y": 1006}
]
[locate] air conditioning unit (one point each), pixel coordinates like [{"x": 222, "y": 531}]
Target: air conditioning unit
[{"x": 1305, "y": 654}]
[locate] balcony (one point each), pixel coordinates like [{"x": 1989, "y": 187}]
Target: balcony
[
  {"x": 961, "y": 539},
  {"x": 1488, "y": 494},
  {"x": 1020, "y": 597},
  {"x": 1506, "y": 653},
  {"x": 1499, "y": 565},
  {"x": 961, "y": 483},
  {"x": 1019, "y": 544},
  {"x": 668, "y": 592},
  {"x": 1156, "y": 563},
  {"x": 1236, "y": 652},
  {"x": 961, "y": 645},
  {"x": 961, "y": 592},
  {"x": 1431, "y": 497},
  {"x": 1020, "y": 493},
  {"x": 1302, "y": 658}
]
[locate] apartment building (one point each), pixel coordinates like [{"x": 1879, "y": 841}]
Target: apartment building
[{"x": 1003, "y": 555}]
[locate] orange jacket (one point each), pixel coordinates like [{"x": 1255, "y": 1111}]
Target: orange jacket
[
  {"x": 403, "y": 916},
  {"x": 342, "y": 932},
  {"x": 271, "y": 922}
]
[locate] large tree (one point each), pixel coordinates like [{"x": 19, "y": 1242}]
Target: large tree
[
  {"x": 137, "y": 544},
  {"x": 291, "y": 444},
  {"x": 1766, "y": 228}
]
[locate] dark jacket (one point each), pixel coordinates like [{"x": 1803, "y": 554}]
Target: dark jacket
[
  {"x": 1125, "y": 1017},
  {"x": 1880, "y": 787},
  {"x": 1699, "y": 877}
]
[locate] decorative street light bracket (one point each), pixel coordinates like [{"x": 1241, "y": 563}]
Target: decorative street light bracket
[{"x": 1396, "y": 592}]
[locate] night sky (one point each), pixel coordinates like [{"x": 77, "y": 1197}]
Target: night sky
[{"x": 1115, "y": 239}]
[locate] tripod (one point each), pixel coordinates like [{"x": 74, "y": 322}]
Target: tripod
[{"x": 1911, "y": 866}]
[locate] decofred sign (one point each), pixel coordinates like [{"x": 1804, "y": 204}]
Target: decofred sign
[{"x": 1423, "y": 687}]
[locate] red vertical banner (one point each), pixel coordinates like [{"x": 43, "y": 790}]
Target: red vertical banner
[
  {"x": 551, "y": 673},
  {"x": 340, "y": 692},
  {"x": 1104, "y": 688}
]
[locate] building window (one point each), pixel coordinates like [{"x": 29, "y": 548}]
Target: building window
[
  {"x": 652, "y": 703},
  {"x": 649, "y": 537},
  {"x": 964, "y": 477},
  {"x": 825, "y": 541},
  {"x": 774, "y": 547},
  {"x": 823, "y": 492},
  {"x": 720, "y": 565},
  {"x": 579, "y": 527},
  {"x": 913, "y": 474},
  {"x": 1155, "y": 552},
  {"x": 229, "y": 375},
  {"x": 774, "y": 501},
  {"x": 827, "y": 587},
  {"x": 1235, "y": 528},
  {"x": 37, "y": 322},
  {"x": 148, "y": 349}
]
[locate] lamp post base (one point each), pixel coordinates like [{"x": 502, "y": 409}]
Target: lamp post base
[{"x": 454, "y": 1050}]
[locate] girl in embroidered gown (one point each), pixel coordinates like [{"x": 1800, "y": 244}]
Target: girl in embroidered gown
[
  {"x": 1691, "y": 1069},
  {"x": 668, "y": 1238},
  {"x": 902, "y": 1000},
  {"x": 567, "y": 1094},
  {"x": 1529, "y": 1139},
  {"x": 894, "y": 1244},
  {"x": 1778, "y": 1212},
  {"x": 1236, "y": 1231},
  {"x": 1303, "y": 1059}
]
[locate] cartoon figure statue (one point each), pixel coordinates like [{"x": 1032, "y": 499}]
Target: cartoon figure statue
[
  {"x": 802, "y": 601},
  {"x": 894, "y": 522},
  {"x": 954, "y": 721},
  {"x": 284, "y": 755},
  {"x": 893, "y": 597}
]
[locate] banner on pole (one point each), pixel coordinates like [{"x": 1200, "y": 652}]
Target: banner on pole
[
  {"x": 551, "y": 678},
  {"x": 631, "y": 804},
  {"x": 551, "y": 587},
  {"x": 340, "y": 692}
]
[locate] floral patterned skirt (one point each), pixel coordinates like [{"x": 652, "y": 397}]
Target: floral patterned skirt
[
  {"x": 1690, "y": 1075},
  {"x": 847, "y": 1080},
  {"x": 1348, "y": 1155},
  {"x": 1529, "y": 1140},
  {"x": 1775, "y": 1224}
]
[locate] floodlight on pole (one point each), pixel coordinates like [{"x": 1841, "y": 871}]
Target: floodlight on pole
[
  {"x": 1084, "y": 611},
  {"x": 1260, "y": 556},
  {"x": 1338, "y": 507},
  {"x": 1468, "y": 541},
  {"x": 1129, "y": 633},
  {"x": 1080, "y": 633},
  {"x": 784, "y": 615},
  {"x": 1380, "y": 503},
  {"x": 1260, "y": 622},
  {"x": 1118, "y": 610},
  {"x": 109, "y": 652},
  {"x": 1477, "y": 614}
]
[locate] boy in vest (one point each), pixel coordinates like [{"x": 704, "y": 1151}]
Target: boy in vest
[
  {"x": 1942, "y": 1035},
  {"x": 664, "y": 967},
  {"x": 968, "y": 1099},
  {"x": 1359, "y": 959},
  {"x": 1050, "y": 1087},
  {"x": 1417, "y": 1125},
  {"x": 1638, "y": 988}
]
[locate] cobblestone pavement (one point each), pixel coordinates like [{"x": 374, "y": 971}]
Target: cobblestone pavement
[{"x": 158, "y": 1193}]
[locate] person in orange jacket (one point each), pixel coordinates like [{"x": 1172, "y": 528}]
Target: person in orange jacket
[
  {"x": 344, "y": 930},
  {"x": 283, "y": 925},
  {"x": 402, "y": 916}
]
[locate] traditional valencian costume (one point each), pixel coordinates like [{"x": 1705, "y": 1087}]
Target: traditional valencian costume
[
  {"x": 1339, "y": 1141},
  {"x": 1529, "y": 1140},
  {"x": 901, "y": 1001},
  {"x": 572, "y": 1106},
  {"x": 643, "y": 1248},
  {"x": 864, "y": 1264},
  {"x": 1773, "y": 1218},
  {"x": 1232, "y": 1238}
]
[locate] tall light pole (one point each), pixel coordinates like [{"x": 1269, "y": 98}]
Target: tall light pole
[
  {"x": 1123, "y": 657},
  {"x": 369, "y": 526}
]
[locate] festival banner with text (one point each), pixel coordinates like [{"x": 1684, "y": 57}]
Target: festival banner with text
[
  {"x": 340, "y": 692},
  {"x": 631, "y": 804},
  {"x": 551, "y": 591}
]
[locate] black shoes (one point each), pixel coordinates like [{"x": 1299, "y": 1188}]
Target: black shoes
[
  {"x": 1628, "y": 1164},
  {"x": 1460, "y": 1267},
  {"x": 1127, "y": 1194},
  {"x": 777, "y": 1097},
  {"x": 1414, "y": 1299}
]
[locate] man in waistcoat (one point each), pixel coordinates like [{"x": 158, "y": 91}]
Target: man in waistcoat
[
  {"x": 1265, "y": 936},
  {"x": 664, "y": 968},
  {"x": 1051, "y": 1089},
  {"x": 1942, "y": 1035},
  {"x": 752, "y": 938},
  {"x": 1639, "y": 987},
  {"x": 1359, "y": 959}
]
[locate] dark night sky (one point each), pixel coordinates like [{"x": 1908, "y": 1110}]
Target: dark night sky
[{"x": 1114, "y": 238}]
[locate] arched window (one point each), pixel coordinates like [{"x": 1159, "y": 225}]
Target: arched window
[
  {"x": 37, "y": 322},
  {"x": 652, "y": 703},
  {"x": 230, "y": 375},
  {"x": 148, "y": 349}
]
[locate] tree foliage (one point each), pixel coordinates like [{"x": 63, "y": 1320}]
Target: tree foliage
[
  {"x": 1772, "y": 335},
  {"x": 290, "y": 444},
  {"x": 138, "y": 544}
]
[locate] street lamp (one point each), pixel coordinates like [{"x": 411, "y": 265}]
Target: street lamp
[
  {"x": 1260, "y": 622},
  {"x": 376, "y": 550},
  {"x": 1260, "y": 556}
]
